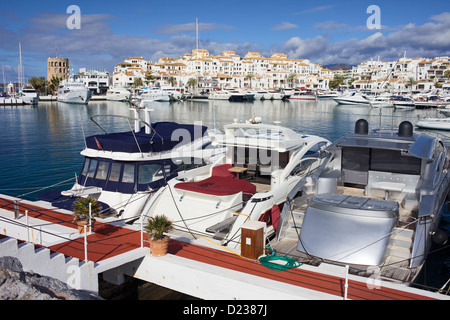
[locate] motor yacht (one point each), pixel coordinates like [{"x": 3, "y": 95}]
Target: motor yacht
[
  {"x": 434, "y": 123},
  {"x": 263, "y": 164},
  {"x": 403, "y": 103},
  {"x": 219, "y": 95},
  {"x": 118, "y": 94},
  {"x": 303, "y": 95},
  {"x": 264, "y": 95},
  {"x": 123, "y": 170},
  {"x": 73, "y": 90},
  {"x": 381, "y": 102},
  {"x": 154, "y": 95},
  {"x": 277, "y": 95},
  {"x": 328, "y": 94},
  {"x": 29, "y": 95},
  {"x": 374, "y": 205},
  {"x": 352, "y": 97}
]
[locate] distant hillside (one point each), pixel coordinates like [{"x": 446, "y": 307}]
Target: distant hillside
[{"x": 340, "y": 66}]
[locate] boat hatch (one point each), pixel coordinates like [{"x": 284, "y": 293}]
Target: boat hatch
[{"x": 348, "y": 229}]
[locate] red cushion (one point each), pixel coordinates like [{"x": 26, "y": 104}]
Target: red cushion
[
  {"x": 219, "y": 186},
  {"x": 222, "y": 171}
]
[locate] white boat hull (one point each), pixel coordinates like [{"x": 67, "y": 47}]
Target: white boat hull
[
  {"x": 78, "y": 97},
  {"x": 434, "y": 123},
  {"x": 350, "y": 101},
  {"x": 303, "y": 97}
]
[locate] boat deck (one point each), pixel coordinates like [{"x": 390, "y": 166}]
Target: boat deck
[
  {"x": 395, "y": 266},
  {"x": 113, "y": 241}
]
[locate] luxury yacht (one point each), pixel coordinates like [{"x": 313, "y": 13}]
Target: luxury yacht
[
  {"x": 263, "y": 164},
  {"x": 119, "y": 94},
  {"x": 374, "y": 205},
  {"x": 73, "y": 90},
  {"x": 123, "y": 170},
  {"x": 352, "y": 97},
  {"x": 29, "y": 95}
]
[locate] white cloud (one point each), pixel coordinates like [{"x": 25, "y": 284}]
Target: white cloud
[{"x": 285, "y": 26}]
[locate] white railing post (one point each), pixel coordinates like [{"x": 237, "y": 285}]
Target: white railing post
[
  {"x": 90, "y": 217},
  {"x": 28, "y": 227},
  {"x": 346, "y": 282},
  {"x": 85, "y": 243},
  {"x": 142, "y": 230}
]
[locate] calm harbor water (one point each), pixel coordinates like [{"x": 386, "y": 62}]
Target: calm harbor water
[{"x": 40, "y": 145}]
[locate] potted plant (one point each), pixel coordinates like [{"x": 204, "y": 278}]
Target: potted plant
[
  {"x": 81, "y": 211},
  {"x": 156, "y": 227}
]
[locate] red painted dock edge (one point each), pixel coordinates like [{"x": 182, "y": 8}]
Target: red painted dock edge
[{"x": 108, "y": 241}]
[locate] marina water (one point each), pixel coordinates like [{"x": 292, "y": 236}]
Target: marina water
[{"x": 40, "y": 145}]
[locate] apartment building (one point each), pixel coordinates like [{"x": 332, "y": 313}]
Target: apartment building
[
  {"x": 227, "y": 70},
  {"x": 404, "y": 75}
]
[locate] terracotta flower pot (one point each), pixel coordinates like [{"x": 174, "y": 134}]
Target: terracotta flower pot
[
  {"x": 158, "y": 248},
  {"x": 81, "y": 225}
]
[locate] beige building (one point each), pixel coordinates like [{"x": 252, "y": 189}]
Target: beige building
[{"x": 57, "y": 67}]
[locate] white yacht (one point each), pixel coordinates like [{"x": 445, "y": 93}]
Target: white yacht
[
  {"x": 154, "y": 95},
  {"x": 123, "y": 170},
  {"x": 29, "y": 95},
  {"x": 434, "y": 123},
  {"x": 303, "y": 95},
  {"x": 73, "y": 90},
  {"x": 381, "y": 102},
  {"x": 352, "y": 97},
  {"x": 328, "y": 94},
  {"x": 374, "y": 205},
  {"x": 118, "y": 94},
  {"x": 263, "y": 164},
  {"x": 277, "y": 95},
  {"x": 264, "y": 95},
  {"x": 219, "y": 95}
]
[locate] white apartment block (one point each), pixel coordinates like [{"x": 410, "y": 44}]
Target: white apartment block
[
  {"x": 96, "y": 81},
  {"x": 404, "y": 75},
  {"x": 227, "y": 70}
]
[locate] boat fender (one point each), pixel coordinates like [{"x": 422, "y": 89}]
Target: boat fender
[{"x": 440, "y": 237}]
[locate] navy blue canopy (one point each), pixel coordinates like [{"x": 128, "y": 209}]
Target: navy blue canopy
[{"x": 160, "y": 138}]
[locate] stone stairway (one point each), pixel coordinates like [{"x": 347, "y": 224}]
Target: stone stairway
[{"x": 76, "y": 274}]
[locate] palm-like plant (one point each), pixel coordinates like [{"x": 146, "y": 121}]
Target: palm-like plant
[
  {"x": 157, "y": 226},
  {"x": 81, "y": 209}
]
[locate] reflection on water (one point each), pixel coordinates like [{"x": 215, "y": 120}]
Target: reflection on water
[{"x": 41, "y": 144}]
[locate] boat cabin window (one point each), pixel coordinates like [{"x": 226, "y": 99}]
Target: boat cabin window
[
  {"x": 102, "y": 171},
  {"x": 92, "y": 168},
  {"x": 115, "y": 172},
  {"x": 147, "y": 172},
  {"x": 356, "y": 163},
  {"x": 128, "y": 173},
  {"x": 394, "y": 161},
  {"x": 260, "y": 157}
]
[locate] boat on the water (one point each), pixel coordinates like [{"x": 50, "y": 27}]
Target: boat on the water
[
  {"x": 29, "y": 95},
  {"x": 123, "y": 170},
  {"x": 374, "y": 205},
  {"x": 154, "y": 95},
  {"x": 433, "y": 123},
  {"x": 381, "y": 102},
  {"x": 73, "y": 90},
  {"x": 119, "y": 94},
  {"x": 352, "y": 97},
  {"x": 263, "y": 164}
]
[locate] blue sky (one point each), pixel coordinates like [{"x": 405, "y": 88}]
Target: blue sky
[{"x": 325, "y": 32}]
